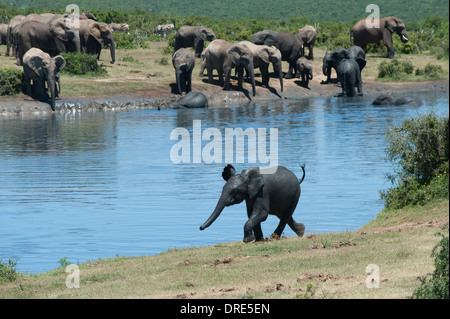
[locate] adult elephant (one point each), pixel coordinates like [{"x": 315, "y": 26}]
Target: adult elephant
[
  {"x": 277, "y": 193},
  {"x": 364, "y": 34},
  {"x": 42, "y": 69},
  {"x": 93, "y": 35},
  {"x": 34, "y": 34},
  {"x": 193, "y": 36},
  {"x": 224, "y": 56},
  {"x": 183, "y": 62},
  {"x": 289, "y": 45},
  {"x": 263, "y": 55},
  {"x": 10, "y": 37},
  {"x": 67, "y": 32},
  {"x": 307, "y": 36}
]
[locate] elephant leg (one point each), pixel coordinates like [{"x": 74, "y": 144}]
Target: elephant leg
[
  {"x": 264, "y": 69},
  {"x": 298, "y": 228},
  {"x": 210, "y": 74},
  {"x": 257, "y": 231},
  {"x": 189, "y": 81},
  {"x": 202, "y": 68},
  {"x": 240, "y": 70},
  {"x": 255, "y": 219},
  {"x": 226, "y": 83},
  {"x": 291, "y": 71},
  {"x": 28, "y": 82},
  {"x": 387, "y": 41},
  {"x": 285, "y": 218}
]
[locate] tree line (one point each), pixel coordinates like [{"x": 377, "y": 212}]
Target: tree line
[{"x": 428, "y": 34}]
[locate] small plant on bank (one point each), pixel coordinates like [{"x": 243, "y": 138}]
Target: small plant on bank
[
  {"x": 82, "y": 64},
  {"x": 8, "y": 272},
  {"x": 432, "y": 71},
  {"x": 12, "y": 82},
  {"x": 420, "y": 149},
  {"x": 435, "y": 285}
]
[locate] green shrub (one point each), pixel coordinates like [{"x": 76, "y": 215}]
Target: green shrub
[
  {"x": 436, "y": 287},
  {"x": 12, "y": 82},
  {"x": 8, "y": 272},
  {"x": 420, "y": 148},
  {"x": 124, "y": 40},
  {"x": 395, "y": 69},
  {"x": 82, "y": 64}
]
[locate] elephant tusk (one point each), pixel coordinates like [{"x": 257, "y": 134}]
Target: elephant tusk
[{"x": 405, "y": 38}]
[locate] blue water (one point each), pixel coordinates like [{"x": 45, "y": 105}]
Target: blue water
[{"x": 84, "y": 186}]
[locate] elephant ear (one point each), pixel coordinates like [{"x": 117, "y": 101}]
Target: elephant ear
[
  {"x": 361, "y": 62},
  {"x": 255, "y": 181},
  {"x": 35, "y": 63},
  {"x": 228, "y": 172},
  {"x": 58, "y": 31},
  {"x": 96, "y": 32},
  {"x": 60, "y": 63},
  {"x": 234, "y": 53},
  {"x": 264, "y": 55},
  {"x": 390, "y": 24}
]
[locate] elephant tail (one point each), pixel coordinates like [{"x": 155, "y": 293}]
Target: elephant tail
[
  {"x": 351, "y": 36},
  {"x": 304, "y": 173}
]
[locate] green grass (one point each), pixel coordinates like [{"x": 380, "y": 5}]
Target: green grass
[{"x": 329, "y": 265}]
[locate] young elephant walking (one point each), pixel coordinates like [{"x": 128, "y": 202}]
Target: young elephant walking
[
  {"x": 183, "y": 61},
  {"x": 276, "y": 193},
  {"x": 304, "y": 69}
]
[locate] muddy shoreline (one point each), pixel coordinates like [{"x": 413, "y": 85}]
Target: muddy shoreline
[{"x": 154, "y": 99}]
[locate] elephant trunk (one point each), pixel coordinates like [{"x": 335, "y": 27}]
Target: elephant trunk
[
  {"x": 113, "y": 51},
  {"x": 51, "y": 83},
  {"x": 277, "y": 68},
  {"x": 179, "y": 79},
  {"x": 219, "y": 208},
  {"x": 251, "y": 73}
]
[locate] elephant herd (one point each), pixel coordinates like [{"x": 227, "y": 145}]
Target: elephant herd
[
  {"x": 49, "y": 35},
  {"x": 271, "y": 47}
]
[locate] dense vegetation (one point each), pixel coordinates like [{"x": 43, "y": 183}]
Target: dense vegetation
[
  {"x": 420, "y": 149},
  {"x": 319, "y": 10},
  {"x": 435, "y": 285},
  {"x": 430, "y": 33},
  {"x": 12, "y": 81}
]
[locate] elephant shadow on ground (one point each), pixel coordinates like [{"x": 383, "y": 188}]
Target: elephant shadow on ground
[
  {"x": 301, "y": 84},
  {"x": 174, "y": 89}
]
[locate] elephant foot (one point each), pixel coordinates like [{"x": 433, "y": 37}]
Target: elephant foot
[
  {"x": 249, "y": 239},
  {"x": 288, "y": 76},
  {"x": 275, "y": 236},
  {"x": 300, "y": 229}
]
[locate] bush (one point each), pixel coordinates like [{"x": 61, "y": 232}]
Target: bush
[
  {"x": 124, "y": 40},
  {"x": 12, "y": 82},
  {"x": 82, "y": 64},
  {"x": 420, "y": 148},
  {"x": 436, "y": 287},
  {"x": 7, "y": 271},
  {"x": 395, "y": 69}
]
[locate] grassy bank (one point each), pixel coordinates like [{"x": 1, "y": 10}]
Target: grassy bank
[{"x": 329, "y": 265}]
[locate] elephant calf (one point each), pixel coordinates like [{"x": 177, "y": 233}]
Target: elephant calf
[
  {"x": 264, "y": 193},
  {"x": 183, "y": 61},
  {"x": 304, "y": 69},
  {"x": 192, "y": 100},
  {"x": 40, "y": 68}
]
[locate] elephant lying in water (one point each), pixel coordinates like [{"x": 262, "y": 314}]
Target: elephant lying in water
[
  {"x": 276, "y": 193},
  {"x": 190, "y": 101},
  {"x": 390, "y": 100}
]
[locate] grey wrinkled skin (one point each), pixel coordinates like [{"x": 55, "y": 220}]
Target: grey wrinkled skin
[{"x": 190, "y": 101}]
